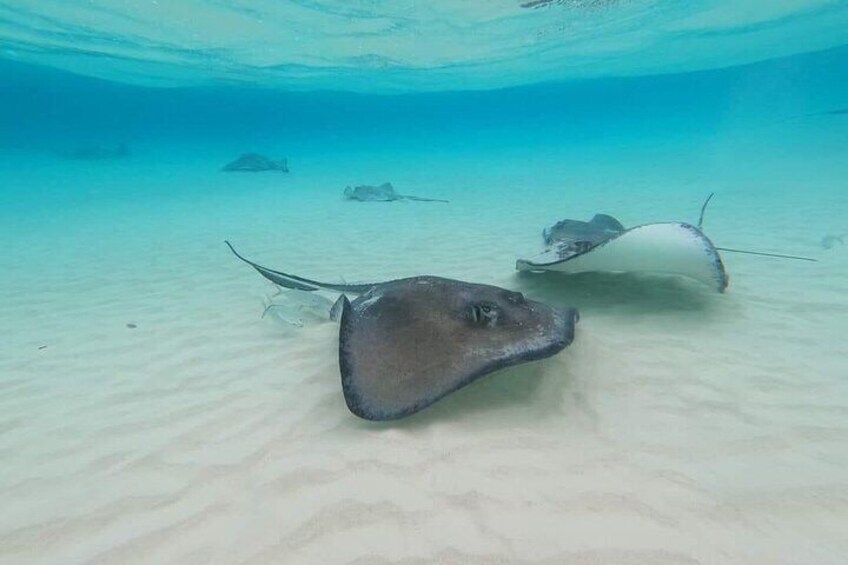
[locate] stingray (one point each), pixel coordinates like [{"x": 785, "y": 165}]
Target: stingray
[
  {"x": 405, "y": 344},
  {"x": 670, "y": 248},
  {"x": 603, "y": 244},
  {"x": 382, "y": 193},
  {"x": 254, "y": 163}
]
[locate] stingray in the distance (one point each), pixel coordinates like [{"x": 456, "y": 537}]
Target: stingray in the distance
[
  {"x": 406, "y": 343},
  {"x": 381, "y": 193},
  {"x": 255, "y": 163}
]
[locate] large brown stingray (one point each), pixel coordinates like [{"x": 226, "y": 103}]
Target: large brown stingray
[{"x": 405, "y": 344}]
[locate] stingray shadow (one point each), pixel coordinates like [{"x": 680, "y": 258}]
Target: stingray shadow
[{"x": 626, "y": 294}]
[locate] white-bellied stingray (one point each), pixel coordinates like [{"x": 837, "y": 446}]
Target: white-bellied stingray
[
  {"x": 406, "y": 343},
  {"x": 672, "y": 248},
  {"x": 381, "y": 193},
  {"x": 604, "y": 244}
]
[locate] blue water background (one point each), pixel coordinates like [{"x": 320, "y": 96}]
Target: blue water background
[{"x": 42, "y": 108}]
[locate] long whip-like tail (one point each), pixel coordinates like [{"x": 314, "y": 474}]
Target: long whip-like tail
[
  {"x": 704, "y": 209},
  {"x": 419, "y": 199},
  {"x": 745, "y": 251},
  {"x": 776, "y": 255},
  {"x": 295, "y": 282}
]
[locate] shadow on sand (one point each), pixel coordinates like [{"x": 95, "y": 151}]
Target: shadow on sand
[{"x": 623, "y": 294}]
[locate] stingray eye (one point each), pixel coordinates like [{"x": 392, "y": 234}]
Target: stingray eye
[{"x": 484, "y": 314}]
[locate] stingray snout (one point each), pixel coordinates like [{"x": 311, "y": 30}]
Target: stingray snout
[{"x": 568, "y": 318}]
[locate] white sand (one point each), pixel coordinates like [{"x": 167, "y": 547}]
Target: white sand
[{"x": 681, "y": 426}]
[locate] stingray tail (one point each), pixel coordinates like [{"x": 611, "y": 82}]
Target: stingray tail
[
  {"x": 704, "y": 209},
  {"x": 745, "y": 251},
  {"x": 295, "y": 282},
  {"x": 762, "y": 254},
  {"x": 419, "y": 199},
  {"x": 277, "y": 277}
]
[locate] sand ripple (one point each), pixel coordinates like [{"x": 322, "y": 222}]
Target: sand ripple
[{"x": 680, "y": 428}]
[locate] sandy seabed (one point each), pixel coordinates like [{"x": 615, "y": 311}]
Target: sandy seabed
[{"x": 682, "y": 426}]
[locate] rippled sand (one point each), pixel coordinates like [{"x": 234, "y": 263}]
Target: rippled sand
[{"x": 681, "y": 426}]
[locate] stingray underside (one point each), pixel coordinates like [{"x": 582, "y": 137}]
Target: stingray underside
[
  {"x": 674, "y": 248},
  {"x": 408, "y": 343}
]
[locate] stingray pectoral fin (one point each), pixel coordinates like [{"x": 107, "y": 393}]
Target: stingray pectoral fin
[{"x": 338, "y": 308}]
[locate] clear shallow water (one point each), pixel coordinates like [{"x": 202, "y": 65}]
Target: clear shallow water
[{"x": 681, "y": 427}]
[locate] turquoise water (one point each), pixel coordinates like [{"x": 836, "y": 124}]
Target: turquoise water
[{"x": 149, "y": 413}]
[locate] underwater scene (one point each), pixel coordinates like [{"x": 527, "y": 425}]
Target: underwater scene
[{"x": 410, "y": 282}]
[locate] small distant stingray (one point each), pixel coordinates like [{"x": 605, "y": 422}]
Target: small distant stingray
[
  {"x": 406, "y": 343},
  {"x": 383, "y": 193},
  {"x": 96, "y": 152},
  {"x": 254, "y": 163},
  {"x": 828, "y": 241}
]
